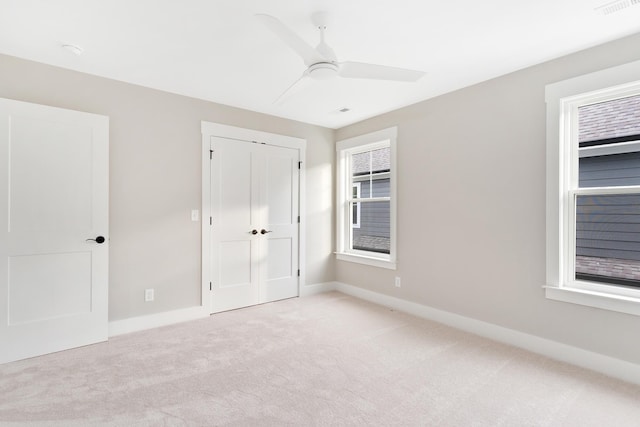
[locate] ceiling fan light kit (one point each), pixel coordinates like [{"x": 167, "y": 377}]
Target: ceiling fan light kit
[
  {"x": 322, "y": 63},
  {"x": 323, "y": 70}
]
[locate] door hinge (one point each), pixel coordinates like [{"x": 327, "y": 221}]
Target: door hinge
[
  {"x": 299, "y": 165},
  {"x": 210, "y": 220},
  {"x": 298, "y": 272},
  {"x": 298, "y": 219},
  {"x": 210, "y": 287},
  {"x": 210, "y": 154}
]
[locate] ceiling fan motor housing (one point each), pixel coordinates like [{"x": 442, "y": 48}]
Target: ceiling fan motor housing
[{"x": 323, "y": 70}]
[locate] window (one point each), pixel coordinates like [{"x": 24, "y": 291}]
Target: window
[
  {"x": 593, "y": 190},
  {"x": 366, "y": 199}
]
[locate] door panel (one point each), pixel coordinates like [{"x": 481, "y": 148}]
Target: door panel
[
  {"x": 281, "y": 188},
  {"x": 53, "y": 197},
  {"x": 235, "y": 264},
  {"x": 233, "y": 186},
  {"x": 47, "y": 160},
  {"x": 254, "y": 187},
  {"x": 68, "y": 290},
  {"x": 281, "y": 258},
  {"x": 234, "y": 250}
]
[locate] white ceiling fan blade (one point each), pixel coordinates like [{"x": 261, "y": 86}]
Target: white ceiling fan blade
[
  {"x": 309, "y": 54},
  {"x": 360, "y": 70},
  {"x": 296, "y": 87}
]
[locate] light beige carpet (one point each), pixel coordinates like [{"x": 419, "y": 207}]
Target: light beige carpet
[{"x": 323, "y": 360}]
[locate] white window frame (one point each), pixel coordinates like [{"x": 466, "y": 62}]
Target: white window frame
[
  {"x": 358, "y": 187},
  {"x": 563, "y": 99},
  {"x": 380, "y": 139}
]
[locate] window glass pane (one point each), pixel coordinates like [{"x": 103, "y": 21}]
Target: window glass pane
[
  {"x": 374, "y": 231},
  {"x": 609, "y": 170},
  {"x": 608, "y": 239},
  {"x": 610, "y": 119},
  {"x": 609, "y": 142},
  {"x": 368, "y": 167}
]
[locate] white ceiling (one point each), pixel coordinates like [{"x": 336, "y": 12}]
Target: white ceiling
[{"x": 217, "y": 50}]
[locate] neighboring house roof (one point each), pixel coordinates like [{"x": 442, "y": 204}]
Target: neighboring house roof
[
  {"x": 610, "y": 119},
  {"x": 371, "y": 161}
]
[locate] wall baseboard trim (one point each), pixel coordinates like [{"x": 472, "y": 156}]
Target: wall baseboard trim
[
  {"x": 616, "y": 368},
  {"x": 140, "y": 323},
  {"x": 317, "y": 288}
]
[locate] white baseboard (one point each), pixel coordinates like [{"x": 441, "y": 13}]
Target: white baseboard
[
  {"x": 140, "y": 323},
  {"x": 607, "y": 365},
  {"x": 317, "y": 288}
]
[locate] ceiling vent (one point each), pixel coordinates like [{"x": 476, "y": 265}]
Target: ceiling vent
[{"x": 616, "y": 6}]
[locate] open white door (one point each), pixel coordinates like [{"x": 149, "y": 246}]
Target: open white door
[{"x": 53, "y": 229}]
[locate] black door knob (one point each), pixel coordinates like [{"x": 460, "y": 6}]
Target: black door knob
[
  {"x": 254, "y": 231},
  {"x": 263, "y": 231},
  {"x": 98, "y": 239}
]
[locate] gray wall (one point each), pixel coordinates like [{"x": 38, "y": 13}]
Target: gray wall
[
  {"x": 471, "y": 207},
  {"x": 155, "y": 180}
]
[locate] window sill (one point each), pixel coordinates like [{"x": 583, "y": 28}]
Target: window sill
[
  {"x": 619, "y": 303},
  {"x": 361, "y": 259}
]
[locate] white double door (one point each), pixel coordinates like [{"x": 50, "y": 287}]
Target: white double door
[
  {"x": 254, "y": 224},
  {"x": 53, "y": 201}
]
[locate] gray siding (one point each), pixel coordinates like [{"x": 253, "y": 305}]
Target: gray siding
[
  {"x": 375, "y": 218},
  {"x": 380, "y": 188},
  {"x": 612, "y": 170},
  {"x": 608, "y": 226}
]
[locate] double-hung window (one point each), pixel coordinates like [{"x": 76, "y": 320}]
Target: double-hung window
[
  {"x": 593, "y": 190},
  {"x": 366, "y": 199}
]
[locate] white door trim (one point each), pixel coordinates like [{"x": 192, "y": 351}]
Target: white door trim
[{"x": 210, "y": 129}]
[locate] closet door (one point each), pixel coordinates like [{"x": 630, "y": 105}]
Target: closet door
[
  {"x": 280, "y": 202},
  {"x": 53, "y": 229},
  {"x": 254, "y": 224}
]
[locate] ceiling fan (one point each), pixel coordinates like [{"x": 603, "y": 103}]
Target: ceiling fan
[{"x": 322, "y": 62}]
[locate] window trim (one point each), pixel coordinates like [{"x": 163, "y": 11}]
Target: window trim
[
  {"x": 361, "y": 143},
  {"x": 563, "y": 99}
]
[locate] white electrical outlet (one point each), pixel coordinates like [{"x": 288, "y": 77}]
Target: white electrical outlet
[
  {"x": 397, "y": 283},
  {"x": 148, "y": 295},
  {"x": 195, "y": 215}
]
